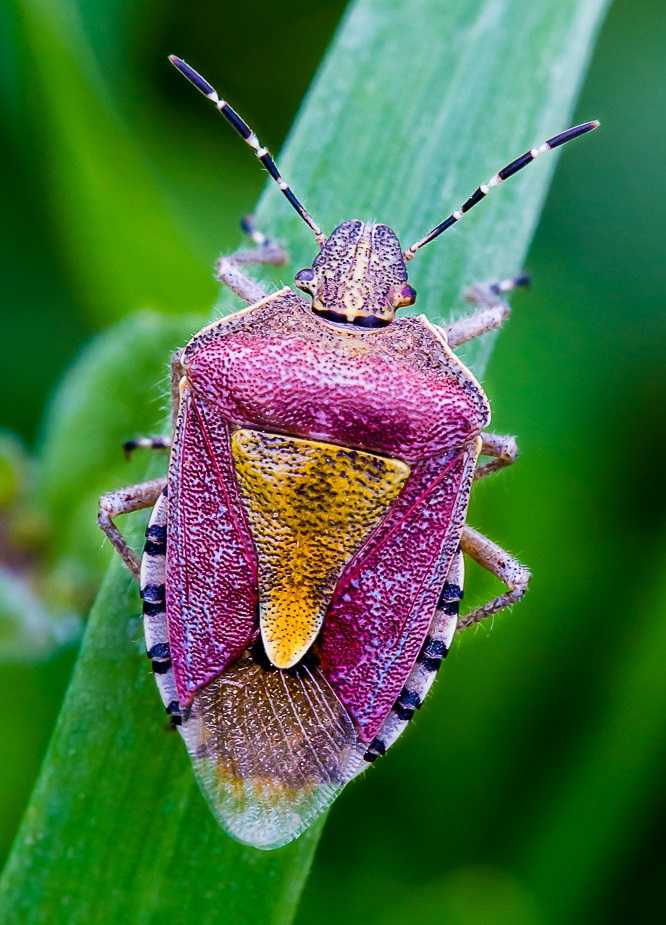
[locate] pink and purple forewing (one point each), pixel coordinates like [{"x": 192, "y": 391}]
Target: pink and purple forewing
[
  {"x": 211, "y": 585},
  {"x": 270, "y": 749},
  {"x": 385, "y": 599}
]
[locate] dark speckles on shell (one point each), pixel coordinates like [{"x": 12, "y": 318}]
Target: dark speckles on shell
[
  {"x": 359, "y": 272},
  {"x": 397, "y": 392}
]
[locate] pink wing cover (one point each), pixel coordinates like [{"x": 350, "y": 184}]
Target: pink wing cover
[
  {"x": 211, "y": 586},
  {"x": 385, "y": 599},
  {"x": 401, "y": 393}
]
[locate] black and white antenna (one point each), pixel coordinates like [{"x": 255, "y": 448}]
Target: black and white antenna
[
  {"x": 482, "y": 191},
  {"x": 246, "y": 133}
]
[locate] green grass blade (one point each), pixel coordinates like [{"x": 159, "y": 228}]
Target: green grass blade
[
  {"x": 126, "y": 370},
  {"x": 117, "y": 264},
  {"x": 617, "y": 766},
  {"x": 414, "y": 106}
]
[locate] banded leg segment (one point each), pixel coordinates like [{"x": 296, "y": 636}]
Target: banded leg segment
[
  {"x": 502, "y": 447},
  {"x": 160, "y": 442},
  {"x": 146, "y": 443},
  {"x": 257, "y": 237},
  {"x": 125, "y": 501},
  {"x": 503, "y": 565},
  {"x": 492, "y": 310}
]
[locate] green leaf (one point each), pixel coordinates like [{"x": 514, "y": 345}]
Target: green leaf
[
  {"x": 414, "y": 105},
  {"x": 117, "y": 264},
  {"x": 617, "y": 765},
  {"x": 118, "y": 388}
]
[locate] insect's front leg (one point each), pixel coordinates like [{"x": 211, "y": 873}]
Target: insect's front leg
[
  {"x": 502, "y": 447},
  {"x": 509, "y": 570},
  {"x": 160, "y": 442},
  {"x": 266, "y": 251},
  {"x": 492, "y": 310},
  {"x": 125, "y": 501},
  {"x": 146, "y": 443}
]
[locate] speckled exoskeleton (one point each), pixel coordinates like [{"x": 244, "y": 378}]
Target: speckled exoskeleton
[{"x": 303, "y": 564}]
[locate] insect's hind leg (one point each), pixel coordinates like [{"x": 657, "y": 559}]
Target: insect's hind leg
[
  {"x": 509, "y": 570},
  {"x": 502, "y": 447},
  {"x": 492, "y": 310},
  {"x": 266, "y": 251},
  {"x": 125, "y": 501}
]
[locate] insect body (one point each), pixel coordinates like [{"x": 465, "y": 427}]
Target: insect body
[{"x": 303, "y": 564}]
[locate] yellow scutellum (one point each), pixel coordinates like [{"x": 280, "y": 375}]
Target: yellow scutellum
[{"x": 311, "y": 505}]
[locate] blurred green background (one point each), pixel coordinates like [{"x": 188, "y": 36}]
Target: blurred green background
[{"x": 529, "y": 790}]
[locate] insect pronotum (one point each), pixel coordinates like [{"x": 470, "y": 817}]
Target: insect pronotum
[{"x": 303, "y": 565}]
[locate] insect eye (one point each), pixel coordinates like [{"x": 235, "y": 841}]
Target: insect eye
[
  {"x": 304, "y": 277},
  {"x": 406, "y": 296}
]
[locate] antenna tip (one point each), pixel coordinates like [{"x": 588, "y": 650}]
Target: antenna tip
[
  {"x": 595, "y": 123},
  {"x": 193, "y": 76}
]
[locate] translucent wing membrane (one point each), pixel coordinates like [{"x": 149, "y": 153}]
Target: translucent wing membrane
[{"x": 271, "y": 749}]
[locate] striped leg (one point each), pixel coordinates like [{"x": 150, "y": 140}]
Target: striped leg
[
  {"x": 258, "y": 237},
  {"x": 146, "y": 443},
  {"x": 125, "y": 501},
  {"x": 434, "y": 649},
  {"x": 492, "y": 310},
  {"x": 502, "y": 447},
  {"x": 515, "y": 576}
]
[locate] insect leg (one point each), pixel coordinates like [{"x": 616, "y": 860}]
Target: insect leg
[
  {"x": 229, "y": 270},
  {"x": 159, "y": 442},
  {"x": 146, "y": 443},
  {"x": 258, "y": 237},
  {"x": 502, "y": 447},
  {"x": 515, "y": 576},
  {"x": 125, "y": 501},
  {"x": 492, "y": 310}
]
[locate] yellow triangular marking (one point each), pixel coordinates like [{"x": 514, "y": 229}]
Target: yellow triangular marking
[{"x": 310, "y": 506}]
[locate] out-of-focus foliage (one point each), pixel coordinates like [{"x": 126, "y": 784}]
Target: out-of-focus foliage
[
  {"x": 118, "y": 388},
  {"x": 528, "y": 790}
]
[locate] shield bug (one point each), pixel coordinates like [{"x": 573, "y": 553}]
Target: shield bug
[{"x": 303, "y": 565}]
